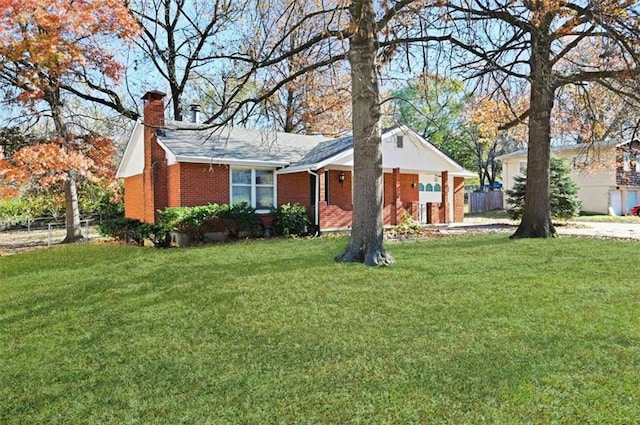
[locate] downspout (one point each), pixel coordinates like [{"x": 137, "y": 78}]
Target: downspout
[{"x": 316, "y": 225}]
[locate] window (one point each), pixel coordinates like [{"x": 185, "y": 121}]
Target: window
[
  {"x": 437, "y": 188},
  {"x": 255, "y": 187},
  {"x": 399, "y": 142},
  {"x": 626, "y": 161},
  {"x": 522, "y": 166},
  {"x": 638, "y": 163},
  {"x": 428, "y": 187},
  {"x": 421, "y": 187}
]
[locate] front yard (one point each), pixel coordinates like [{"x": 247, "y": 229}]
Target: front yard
[{"x": 469, "y": 329}]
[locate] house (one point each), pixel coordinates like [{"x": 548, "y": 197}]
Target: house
[
  {"x": 169, "y": 164},
  {"x": 607, "y": 173}
]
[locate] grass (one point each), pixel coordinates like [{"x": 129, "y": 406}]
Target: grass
[{"x": 474, "y": 329}]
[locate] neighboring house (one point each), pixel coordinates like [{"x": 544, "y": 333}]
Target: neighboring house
[
  {"x": 607, "y": 173},
  {"x": 170, "y": 164}
]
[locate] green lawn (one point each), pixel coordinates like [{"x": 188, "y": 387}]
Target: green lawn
[{"x": 477, "y": 329}]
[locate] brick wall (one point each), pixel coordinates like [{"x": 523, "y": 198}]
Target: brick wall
[
  {"x": 295, "y": 188},
  {"x": 202, "y": 184},
  {"x": 334, "y": 217},
  {"x": 458, "y": 199},
  {"x": 408, "y": 193},
  {"x": 340, "y": 192},
  {"x": 133, "y": 200},
  {"x": 631, "y": 177},
  {"x": 338, "y": 214},
  {"x": 173, "y": 191},
  {"x": 155, "y": 191}
]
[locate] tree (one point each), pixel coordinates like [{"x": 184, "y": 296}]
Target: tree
[
  {"x": 549, "y": 45},
  {"x": 46, "y": 164},
  {"x": 436, "y": 108},
  {"x": 485, "y": 140},
  {"x": 316, "y": 102},
  {"x": 564, "y": 202},
  {"x": 182, "y": 39},
  {"x": 47, "y": 47},
  {"x": 463, "y": 125},
  {"x": 11, "y": 140},
  {"x": 367, "y": 34}
]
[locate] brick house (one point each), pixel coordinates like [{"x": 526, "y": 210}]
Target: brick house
[
  {"x": 168, "y": 164},
  {"x": 607, "y": 173}
]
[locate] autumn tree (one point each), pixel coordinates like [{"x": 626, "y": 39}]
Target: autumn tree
[
  {"x": 317, "y": 101},
  {"x": 47, "y": 47},
  {"x": 44, "y": 165},
  {"x": 549, "y": 45},
  {"x": 463, "y": 125},
  {"x": 484, "y": 138}
]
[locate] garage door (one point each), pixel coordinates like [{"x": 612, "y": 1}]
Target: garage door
[{"x": 615, "y": 201}]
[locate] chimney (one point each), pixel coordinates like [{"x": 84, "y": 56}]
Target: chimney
[
  {"x": 195, "y": 113},
  {"x": 154, "y": 179},
  {"x": 153, "y": 114}
]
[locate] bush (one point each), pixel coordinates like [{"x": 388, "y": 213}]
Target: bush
[
  {"x": 240, "y": 218},
  {"x": 194, "y": 221},
  {"x": 198, "y": 220},
  {"x": 130, "y": 230},
  {"x": 291, "y": 220},
  {"x": 408, "y": 227},
  {"x": 94, "y": 199},
  {"x": 13, "y": 212},
  {"x": 563, "y": 191}
]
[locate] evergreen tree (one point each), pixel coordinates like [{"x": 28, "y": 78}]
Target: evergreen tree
[{"x": 564, "y": 200}]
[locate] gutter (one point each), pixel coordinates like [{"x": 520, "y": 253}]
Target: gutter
[{"x": 317, "y": 203}]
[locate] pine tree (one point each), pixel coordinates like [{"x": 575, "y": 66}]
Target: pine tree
[{"x": 564, "y": 200}]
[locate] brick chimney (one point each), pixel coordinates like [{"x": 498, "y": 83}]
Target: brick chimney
[{"x": 155, "y": 163}]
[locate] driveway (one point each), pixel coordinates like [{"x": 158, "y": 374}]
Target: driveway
[
  {"x": 590, "y": 229},
  {"x": 603, "y": 230}
]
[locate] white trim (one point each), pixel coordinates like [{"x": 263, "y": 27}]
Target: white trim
[
  {"x": 253, "y": 186},
  {"x": 229, "y": 161},
  {"x": 456, "y": 169},
  {"x": 135, "y": 139}
]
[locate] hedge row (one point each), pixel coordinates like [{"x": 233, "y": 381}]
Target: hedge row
[{"x": 232, "y": 220}]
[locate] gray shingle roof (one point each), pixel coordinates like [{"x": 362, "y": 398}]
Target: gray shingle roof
[
  {"x": 326, "y": 150},
  {"x": 188, "y": 140}
]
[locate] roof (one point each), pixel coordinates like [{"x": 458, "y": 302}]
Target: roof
[
  {"x": 189, "y": 142},
  {"x": 326, "y": 149},
  {"x": 568, "y": 148},
  {"x": 196, "y": 143}
]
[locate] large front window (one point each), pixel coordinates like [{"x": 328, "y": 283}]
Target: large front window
[{"x": 255, "y": 187}]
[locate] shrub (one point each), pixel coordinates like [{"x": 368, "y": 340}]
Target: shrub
[
  {"x": 94, "y": 199},
  {"x": 194, "y": 221},
  {"x": 13, "y": 212},
  {"x": 198, "y": 220},
  {"x": 131, "y": 230},
  {"x": 240, "y": 218},
  {"x": 291, "y": 220},
  {"x": 563, "y": 192},
  {"x": 407, "y": 227}
]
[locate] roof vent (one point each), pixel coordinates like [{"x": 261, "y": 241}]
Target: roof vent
[{"x": 195, "y": 113}]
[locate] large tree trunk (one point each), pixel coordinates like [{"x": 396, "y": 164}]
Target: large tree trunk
[
  {"x": 536, "y": 217},
  {"x": 366, "y": 244},
  {"x": 72, "y": 212},
  {"x": 72, "y": 209}
]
